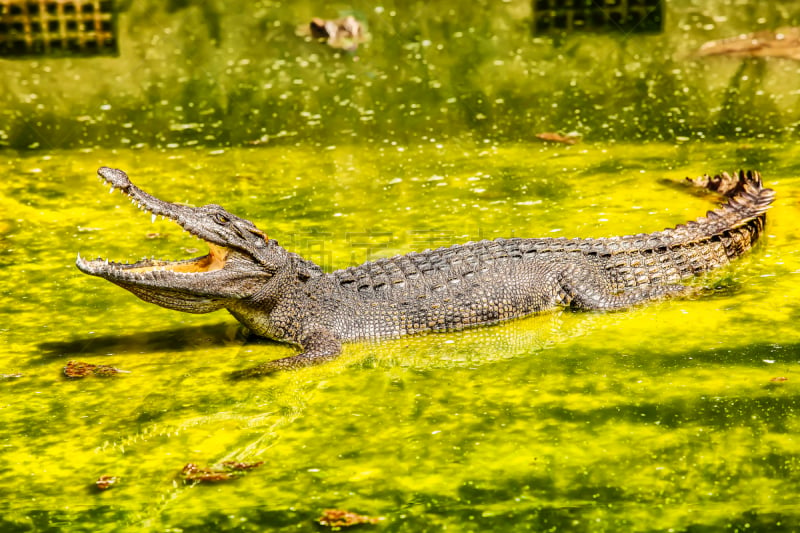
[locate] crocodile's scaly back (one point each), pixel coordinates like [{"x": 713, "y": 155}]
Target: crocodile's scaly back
[
  {"x": 645, "y": 259},
  {"x": 280, "y": 295}
]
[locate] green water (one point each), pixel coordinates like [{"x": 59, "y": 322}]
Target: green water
[
  {"x": 200, "y": 72},
  {"x": 673, "y": 416},
  {"x": 665, "y": 417}
]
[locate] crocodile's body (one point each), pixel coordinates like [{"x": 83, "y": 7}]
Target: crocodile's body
[{"x": 280, "y": 295}]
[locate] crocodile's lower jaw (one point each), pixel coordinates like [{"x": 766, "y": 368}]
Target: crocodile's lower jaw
[{"x": 213, "y": 261}]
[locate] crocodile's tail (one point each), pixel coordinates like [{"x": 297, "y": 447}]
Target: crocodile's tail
[
  {"x": 733, "y": 186},
  {"x": 740, "y": 220},
  {"x": 697, "y": 246},
  {"x": 726, "y": 232}
]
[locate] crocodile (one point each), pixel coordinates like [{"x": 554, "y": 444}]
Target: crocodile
[{"x": 279, "y": 294}]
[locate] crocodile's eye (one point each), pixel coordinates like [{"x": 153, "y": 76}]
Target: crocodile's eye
[{"x": 220, "y": 218}]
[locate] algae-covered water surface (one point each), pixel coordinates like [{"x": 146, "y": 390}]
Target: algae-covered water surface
[
  {"x": 680, "y": 415},
  {"x": 672, "y": 416}
]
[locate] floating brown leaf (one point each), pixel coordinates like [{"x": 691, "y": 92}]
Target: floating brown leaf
[
  {"x": 337, "y": 518},
  {"x": 224, "y": 472},
  {"x": 779, "y": 378},
  {"x": 558, "y": 137},
  {"x": 192, "y": 472},
  {"x": 80, "y": 369},
  {"x": 233, "y": 465},
  {"x": 106, "y": 482}
]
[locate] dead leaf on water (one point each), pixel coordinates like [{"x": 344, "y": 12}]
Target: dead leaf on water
[
  {"x": 81, "y": 369},
  {"x": 569, "y": 138},
  {"x": 338, "y": 518},
  {"x": 105, "y": 482},
  {"x": 225, "y": 471}
]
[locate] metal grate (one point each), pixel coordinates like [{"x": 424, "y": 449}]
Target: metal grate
[
  {"x": 626, "y": 16},
  {"x": 57, "y": 27}
]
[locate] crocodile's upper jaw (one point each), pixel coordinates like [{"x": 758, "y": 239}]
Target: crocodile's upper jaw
[{"x": 195, "y": 285}]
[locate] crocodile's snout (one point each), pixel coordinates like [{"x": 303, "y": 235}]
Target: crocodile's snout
[{"x": 115, "y": 177}]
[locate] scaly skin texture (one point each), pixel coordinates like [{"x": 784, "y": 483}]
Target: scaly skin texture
[{"x": 278, "y": 294}]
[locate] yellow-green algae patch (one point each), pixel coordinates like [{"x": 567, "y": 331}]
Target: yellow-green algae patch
[{"x": 676, "y": 415}]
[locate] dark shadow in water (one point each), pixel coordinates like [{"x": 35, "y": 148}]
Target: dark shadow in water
[
  {"x": 654, "y": 362},
  {"x": 717, "y": 413},
  {"x": 167, "y": 340},
  {"x": 773, "y": 408}
]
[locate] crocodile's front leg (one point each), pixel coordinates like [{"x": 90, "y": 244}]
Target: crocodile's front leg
[{"x": 318, "y": 346}]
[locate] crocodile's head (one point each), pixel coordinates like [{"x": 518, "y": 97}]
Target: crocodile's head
[{"x": 240, "y": 261}]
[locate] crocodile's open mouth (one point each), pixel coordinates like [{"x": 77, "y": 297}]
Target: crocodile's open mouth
[
  {"x": 214, "y": 260},
  {"x": 153, "y": 268}
]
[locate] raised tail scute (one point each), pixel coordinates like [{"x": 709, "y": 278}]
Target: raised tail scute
[
  {"x": 748, "y": 198},
  {"x": 747, "y": 184}
]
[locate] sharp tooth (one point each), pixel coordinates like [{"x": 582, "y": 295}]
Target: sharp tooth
[
  {"x": 153, "y": 218},
  {"x": 106, "y": 261},
  {"x": 111, "y": 190}
]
